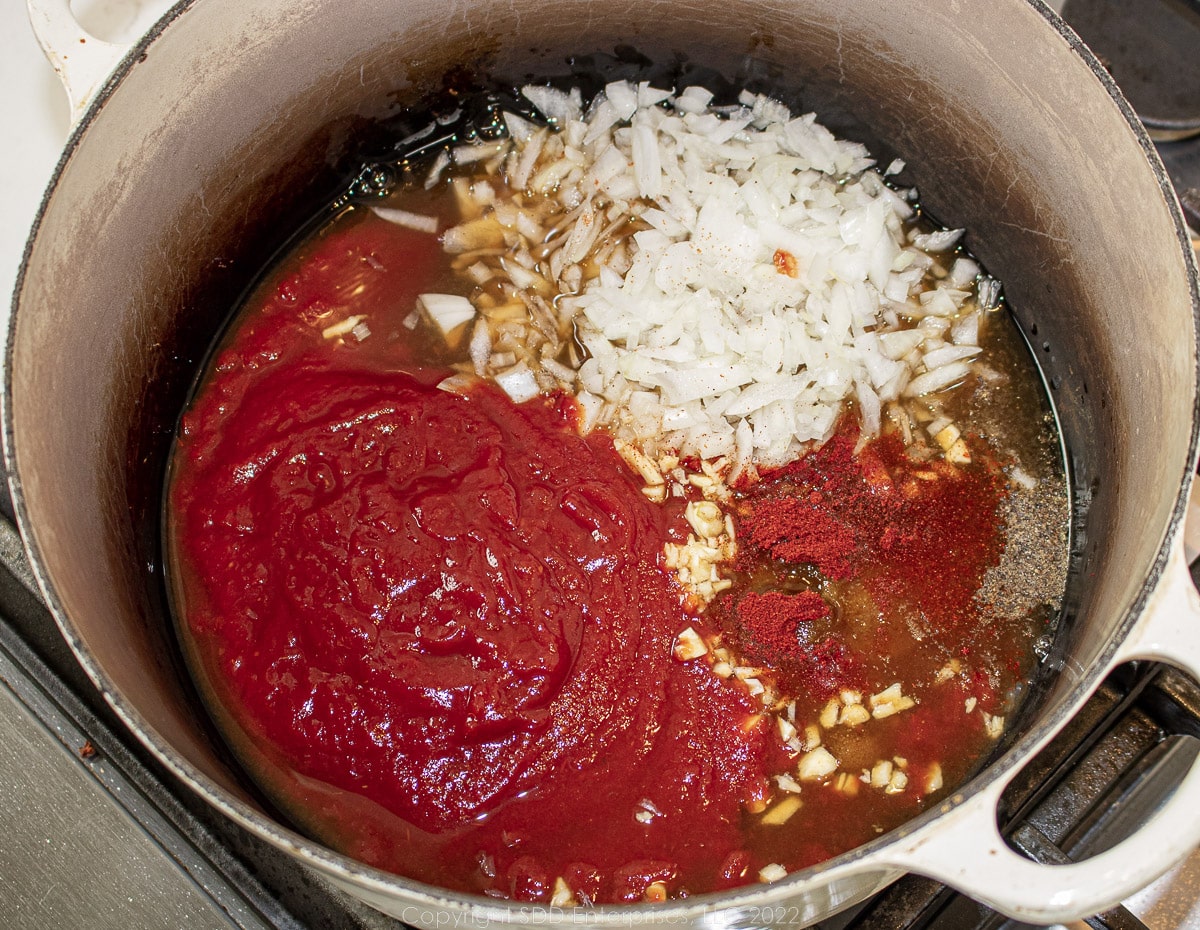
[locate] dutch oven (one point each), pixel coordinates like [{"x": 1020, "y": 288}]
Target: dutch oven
[{"x": 205, "y": 139}]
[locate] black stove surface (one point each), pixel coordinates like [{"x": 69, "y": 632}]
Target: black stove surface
[{"x": 1152, "y": 50}]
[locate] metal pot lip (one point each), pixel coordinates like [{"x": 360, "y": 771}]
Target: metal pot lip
[{"x": 483, "y": 910}]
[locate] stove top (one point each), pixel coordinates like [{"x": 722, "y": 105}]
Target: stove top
[{"x": 97, "y": 834}]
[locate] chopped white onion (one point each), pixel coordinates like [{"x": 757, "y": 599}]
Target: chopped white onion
[
  {"x": 448, "y": 311},
  {"x": 963, "y": 272},
  {"x": 418, "y": 221},
  {"x": 938, "y": 240},
  {"x": 480, "y": 347},
  {"x": 457, "y": 384},
  {"x": 480, "y": 151},
  {"x": 966, "y": 330},
  {"x": 559, "y": 106},
  {"x": 518, "y": 383},
  {"x": 937, "y": 380},
  {"x": 735, "y": 275},
  {"x": 947, "y": 354}
]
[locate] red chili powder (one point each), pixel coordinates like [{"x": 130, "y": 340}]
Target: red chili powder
[
  {"x": 772, "y": 619},
  {"x": 803, "y": 530},
  {"x": 917, "y": 535}
]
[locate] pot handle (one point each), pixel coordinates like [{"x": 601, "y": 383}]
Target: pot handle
[
  {"x": 83, "y": 62},
  {"x": 967, "y": 852}
]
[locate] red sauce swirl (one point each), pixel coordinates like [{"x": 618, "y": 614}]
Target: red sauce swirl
[{"x": 434, "y": 626}]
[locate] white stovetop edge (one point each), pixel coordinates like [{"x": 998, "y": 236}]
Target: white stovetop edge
[
  {"x": 34, "y": 116},
  {"x": 33, "y": 127}
]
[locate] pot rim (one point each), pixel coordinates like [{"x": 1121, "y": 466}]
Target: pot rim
[{"x": 481, "y": 909}]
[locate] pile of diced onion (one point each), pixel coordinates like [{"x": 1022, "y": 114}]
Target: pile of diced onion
[{"x": 712, "y": 282}]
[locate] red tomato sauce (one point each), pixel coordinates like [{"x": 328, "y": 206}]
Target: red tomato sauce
[{"x": 434, "y": 625}]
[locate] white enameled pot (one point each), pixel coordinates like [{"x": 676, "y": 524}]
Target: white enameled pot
[{"x": 190, "y": 147}]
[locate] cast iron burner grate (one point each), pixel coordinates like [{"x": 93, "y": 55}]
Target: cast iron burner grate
[
  {"x": 1116, "y": 761},
  {"x": 1149, "y": 48}
]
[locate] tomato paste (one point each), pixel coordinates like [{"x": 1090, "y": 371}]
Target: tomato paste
[{"x": 436, "y": 623}]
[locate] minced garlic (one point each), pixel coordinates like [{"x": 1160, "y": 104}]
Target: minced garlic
[
  {"x": 816, "y": 764},
  {"x": 562, "y": 895},
  {"x": 781, "y": 812},
  {"x": 689, "y": 645},
  {"x": 889, "y": 701}
]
